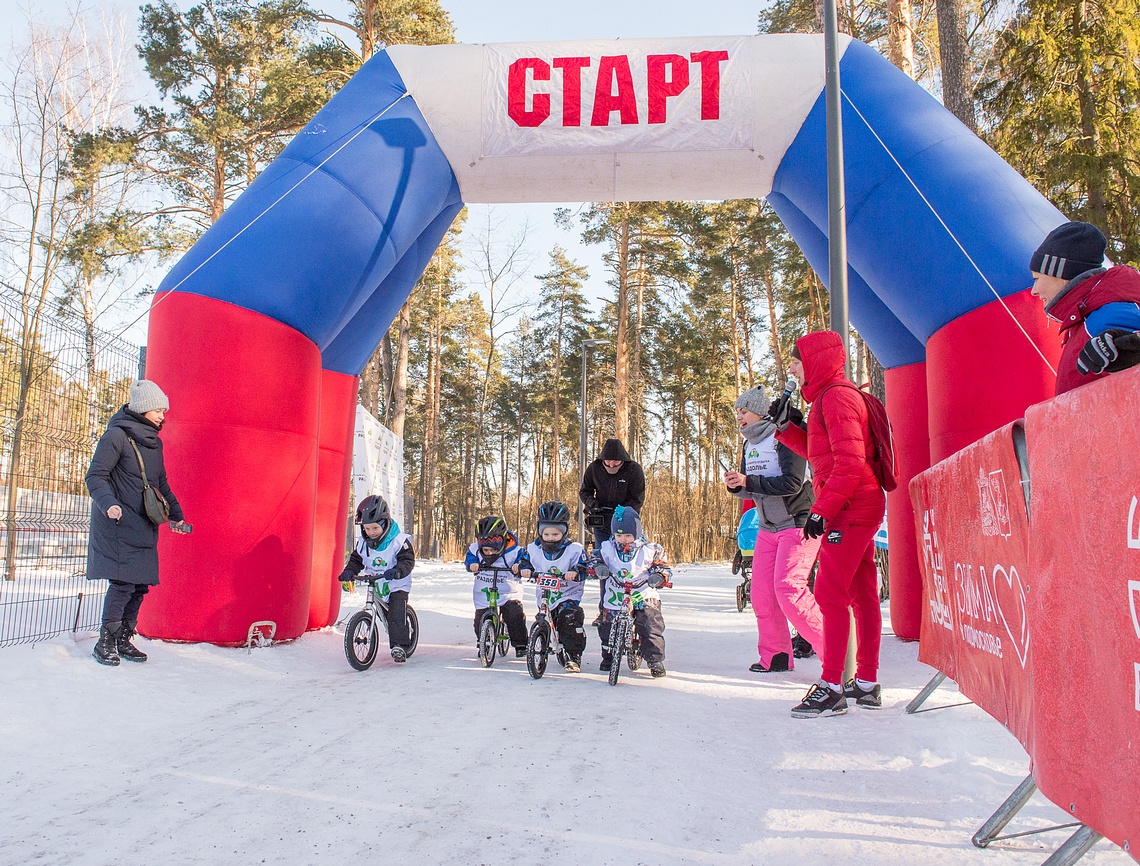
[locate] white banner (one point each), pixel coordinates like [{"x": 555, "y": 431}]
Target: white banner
[
  {"x": 638, "y": 95},
  {"x": 378, "y": 464}
]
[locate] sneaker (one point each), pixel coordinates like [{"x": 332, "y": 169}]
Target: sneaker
[
  {"x": 820, "y": 700},
  {"x": 657, "y": 669},
  {"x": 802, "y": 648},
  {"x": 606, "y": 664},
  {"x": 869, "y": 699},
  {"x": 399, "y": 656},
  {"x": 597, "y": 620},
  {"x": 778, "y": 664},
  {"x": 572, "y": 667},
  {"x": 520, "y": 652}
]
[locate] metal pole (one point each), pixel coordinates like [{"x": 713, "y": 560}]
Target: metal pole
[
  {"x": 1012, "y": 805},
  {"x": 926, "y": 692},
  {"x": 836, "y": 197},
  {"x": 142, "y": 362},
  {"x": 1074, "y": 848},
  {"x": 582, "y": 450}
]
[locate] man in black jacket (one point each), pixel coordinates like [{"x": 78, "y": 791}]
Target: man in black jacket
[{"x": 613, "y": 479}]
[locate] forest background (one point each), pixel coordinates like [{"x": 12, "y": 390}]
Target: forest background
[{"x": 691, "y": 302}]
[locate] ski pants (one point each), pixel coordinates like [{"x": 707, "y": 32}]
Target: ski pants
[
  {"x": 650, "y": 627},
  {"x": 781, "y": 564},
  {"x": 513, "y": 615},
  {"x": 122, "y": 602},
  {"x": 847, "y": 579},
  {"x": 569, "y": 621},
  {"x": 398, "y": 620}
]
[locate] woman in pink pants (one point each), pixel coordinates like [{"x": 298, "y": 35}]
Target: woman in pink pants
[{"x": 772, "y": 475}]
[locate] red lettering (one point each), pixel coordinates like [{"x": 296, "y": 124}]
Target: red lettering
[
  {"x": 710, "y": 81},
  {"x": 660, "y": 87},
  {"x": 516, "y": 92},
  {"x": 571, "y": 88},
  {"x": 611, "y": 70}
]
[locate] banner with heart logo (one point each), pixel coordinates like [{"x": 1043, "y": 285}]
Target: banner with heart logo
[
  {"x": 1084, "y": 458},
  {"x": 973, "y": 533}
]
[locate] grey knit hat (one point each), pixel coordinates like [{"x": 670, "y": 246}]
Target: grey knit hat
[
  {"x": 145, "y": 396},
  {"x": 755, "y": 401}
]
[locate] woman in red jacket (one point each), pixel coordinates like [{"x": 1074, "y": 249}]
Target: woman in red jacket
[{"x": 848, "y": 509}]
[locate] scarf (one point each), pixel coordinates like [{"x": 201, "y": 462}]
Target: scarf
[{"x": 758, "y": 431}]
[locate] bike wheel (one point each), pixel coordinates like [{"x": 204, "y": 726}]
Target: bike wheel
[
  {"x": 537, "y": 648},
  {"x": 361, "y": 640},
  {"x": 741, "y": 599},
  {"x": 487, "y": 643},
  {"x": 633, "y": 660},
  {"x": 413, "y": 631},
  {"x": 617, "y": 641}
]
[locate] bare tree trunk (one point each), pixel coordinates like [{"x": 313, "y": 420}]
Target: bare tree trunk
[
  {"x": 399, "y": 401},
  {"x": 1090, "y": 137},
  {"x": 900, "y": 36},
  {"x": 954, "y": 55},
  {"x": 621, "y": 360}
]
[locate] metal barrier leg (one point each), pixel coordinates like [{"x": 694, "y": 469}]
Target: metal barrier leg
[
  {"x": 926, "y": 692},
  {"x": 1005, "y": 813},
  {"x": 1075, "y": 847}
]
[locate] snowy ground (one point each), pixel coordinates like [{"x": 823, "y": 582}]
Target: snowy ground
[{"x": 287, "y": 756}]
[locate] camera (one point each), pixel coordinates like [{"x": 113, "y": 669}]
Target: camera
[{"x": 597, "y": 519}]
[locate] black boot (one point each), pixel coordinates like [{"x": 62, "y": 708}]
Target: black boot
[
  {"x": 127, "y": 650},
  {"x": 106, "y": 650}
]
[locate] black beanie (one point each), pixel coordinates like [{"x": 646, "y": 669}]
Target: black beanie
[{"x": 1069, "y": 251}]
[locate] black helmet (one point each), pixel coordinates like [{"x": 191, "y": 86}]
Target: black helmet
[
  {"x": 373, "y": 509},
  {"x": 491, "y": 531},
  {"x": 557, "y": 515}
]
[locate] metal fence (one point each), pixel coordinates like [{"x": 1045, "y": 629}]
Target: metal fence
[{"x": 60, "y": 382}]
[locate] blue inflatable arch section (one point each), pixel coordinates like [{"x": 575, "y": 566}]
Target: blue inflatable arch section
[{"x": 300, "y": 279}]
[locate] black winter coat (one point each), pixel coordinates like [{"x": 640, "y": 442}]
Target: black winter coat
[
  {"x": 602, "y": 490},
  {"x": 126, "y": 550}
]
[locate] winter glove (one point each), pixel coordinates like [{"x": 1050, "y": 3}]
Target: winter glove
[
  {"x": 1110, "y": 352},
  {"x": 602, "y": 570},
  {"x": 784, "y": 413},
  {"x": 391, "y": 574},
  {"x": 659, "y": 578},
  {"x": 814, "y": 526}
]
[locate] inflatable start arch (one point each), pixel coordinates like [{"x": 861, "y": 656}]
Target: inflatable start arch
[{"x": 260, "y": 331}]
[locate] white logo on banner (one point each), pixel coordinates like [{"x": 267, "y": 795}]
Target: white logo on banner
[
  {"x": 1133, "y": 534},
  {"x": 993, "y": 503},
  {"x": 378, "y": 464},
  {"x": 1133, "y": 595},
  {"x": 664, "y": 95},
  {"x": 940, "y": 600}
]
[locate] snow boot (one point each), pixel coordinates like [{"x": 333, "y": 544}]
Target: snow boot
[
  {"x": 802, "y": 648},
  {"x": 106, "y": 651},
  {"x": 778, "y": 664},
  {"x": 820, "y": 700},
  {"x": 399, "y": 655},
  {"x": 127, "y": 650},
  {"x": 657, "y": 669},
  {"x": 868, "y": 699}
]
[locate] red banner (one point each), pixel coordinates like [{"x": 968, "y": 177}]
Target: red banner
[
  {"x": 973, "y": 531},
  {"x": 1084, "y": 452}
]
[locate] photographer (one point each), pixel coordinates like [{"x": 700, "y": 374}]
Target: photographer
[{"x": 613, "y": 479}]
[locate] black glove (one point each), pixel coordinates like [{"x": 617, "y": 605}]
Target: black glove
[
  {"x": 391, "y": 575},
  {"x": 1110, "y": 352},
  {"x": 814, "y": 526},
  {"x": 659, "y": 577},
  {"x": 783, "y": 413}
]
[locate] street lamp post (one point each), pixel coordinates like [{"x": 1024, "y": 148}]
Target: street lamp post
[{"x": 586, "y": 346}]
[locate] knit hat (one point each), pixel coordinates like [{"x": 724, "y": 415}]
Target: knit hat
[
  {"x": 626, "y": 520},
  {"x": 755, "y": 401},
  {"x": 1069, "y": 251},
  {"x": 145, "y": 396}
]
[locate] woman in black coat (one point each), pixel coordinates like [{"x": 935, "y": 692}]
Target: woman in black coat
[{"x": 123, "y": 545}]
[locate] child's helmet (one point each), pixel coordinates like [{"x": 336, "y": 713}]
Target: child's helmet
[
  {"x": 374, "y": 509},
  {"x": 557, "y": 515},
  {"x": 491, "y": 531}
]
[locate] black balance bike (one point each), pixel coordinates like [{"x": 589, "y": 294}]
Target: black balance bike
[{"x": 362, "y": 634}]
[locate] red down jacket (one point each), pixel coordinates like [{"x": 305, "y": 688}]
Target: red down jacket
[{"x": 837, "y": 443}]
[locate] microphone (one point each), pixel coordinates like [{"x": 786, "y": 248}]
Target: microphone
[{"x": 789, "y": 389}]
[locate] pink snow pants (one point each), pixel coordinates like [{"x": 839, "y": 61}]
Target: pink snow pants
[
  {"x": 847, "y": 579},
  {"x": 781, "y": 564}
]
